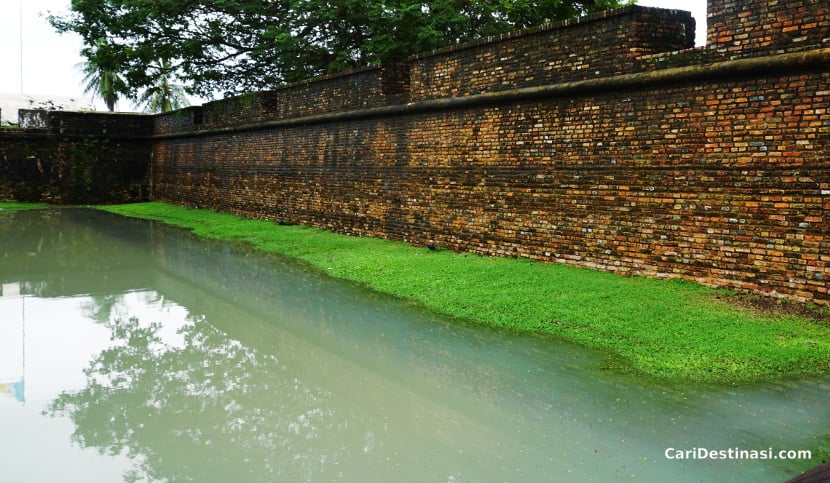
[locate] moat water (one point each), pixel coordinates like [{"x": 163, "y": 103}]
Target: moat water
[{"x": 133, "y": 351}]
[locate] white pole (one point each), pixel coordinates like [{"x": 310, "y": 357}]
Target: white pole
[
  {"x": 23, "y": 330},
  {"x": 20, "y": 2}
]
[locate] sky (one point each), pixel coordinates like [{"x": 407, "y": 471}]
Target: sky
[{"x": 50, "y": 61}]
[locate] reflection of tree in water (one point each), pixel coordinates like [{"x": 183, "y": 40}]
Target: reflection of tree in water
[
  {"x": 212, "y": 410},
  {"x": 108, "y": 309},
  {"x": 100, "y": 307}
]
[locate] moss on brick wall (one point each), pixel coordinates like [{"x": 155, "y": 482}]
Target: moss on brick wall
[{"x": 76, "y": 157}]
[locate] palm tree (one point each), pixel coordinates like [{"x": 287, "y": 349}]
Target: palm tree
[
  {"x": 163, "y": 95},
  {"x": 101, "y": 81}
]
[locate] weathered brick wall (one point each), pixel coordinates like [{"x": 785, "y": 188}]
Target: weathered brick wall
[
  {"x": 599, "y": 45},
  {"x": 76, "y": 157},
  {"x": 739, "y": 28},
  {"x": 679, "y": 191},
  {"x": 362, "y": 89},
  {"x": 666, "y": 164},
  {"x": 184, "y": 120},
  {"x": 685, "y": 181}
]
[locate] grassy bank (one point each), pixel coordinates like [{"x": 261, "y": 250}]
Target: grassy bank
[
  {"x": 662, "y": 328},
  {"x": 14, "y": 205}
]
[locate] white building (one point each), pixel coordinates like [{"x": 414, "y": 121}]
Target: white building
[{"x": 10, "y": 103}]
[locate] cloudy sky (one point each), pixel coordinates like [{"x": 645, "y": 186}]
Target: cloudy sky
[{"x": 49, "y": 61}]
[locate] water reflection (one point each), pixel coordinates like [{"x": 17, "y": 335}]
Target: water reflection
[
  {"x": 224, "y": 364},
  {"x": 12, "y": 351}
]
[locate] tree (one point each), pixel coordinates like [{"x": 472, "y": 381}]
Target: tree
[
  {"x": 164, "y": 95},
  {"x": 234, "y": 46},
  {"x": 100, "y": 80}
]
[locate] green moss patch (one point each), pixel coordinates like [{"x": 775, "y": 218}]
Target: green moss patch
[{"x": 13, "y": 206}]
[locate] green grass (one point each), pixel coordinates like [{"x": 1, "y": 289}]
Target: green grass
[
  {"x": 666, "y": 329},
  {"x": 14, "y": 206}
]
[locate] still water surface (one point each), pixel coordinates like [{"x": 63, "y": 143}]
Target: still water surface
[{"x": 133, "y": 351}]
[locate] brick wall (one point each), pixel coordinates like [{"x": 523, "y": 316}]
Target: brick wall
[
  {"x": 739, "y": 28},
  {"x": 645, "y": 157},
  {"x": 599, "y": 45},
  {"x": 76, "y": 157}
]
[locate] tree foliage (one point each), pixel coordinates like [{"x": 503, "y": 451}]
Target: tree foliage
[
  {"x": 165, "y": 94},
  {"x": 101, "y": 81},
  {"x": 232, "y": 46}
]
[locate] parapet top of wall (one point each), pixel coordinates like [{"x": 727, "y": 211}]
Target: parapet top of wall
[
  {"x": 627, "y": 40},
  {"x": 86, "y": 123},
  {"x": 357, "y": 89},
  {"x": 571, "y": 49},
  {"x": 597, "y": 45},
  {"x": 740, "y": 28},
  {"x": 182, "y": 120},
  {"x": 585, "y": 20}
]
